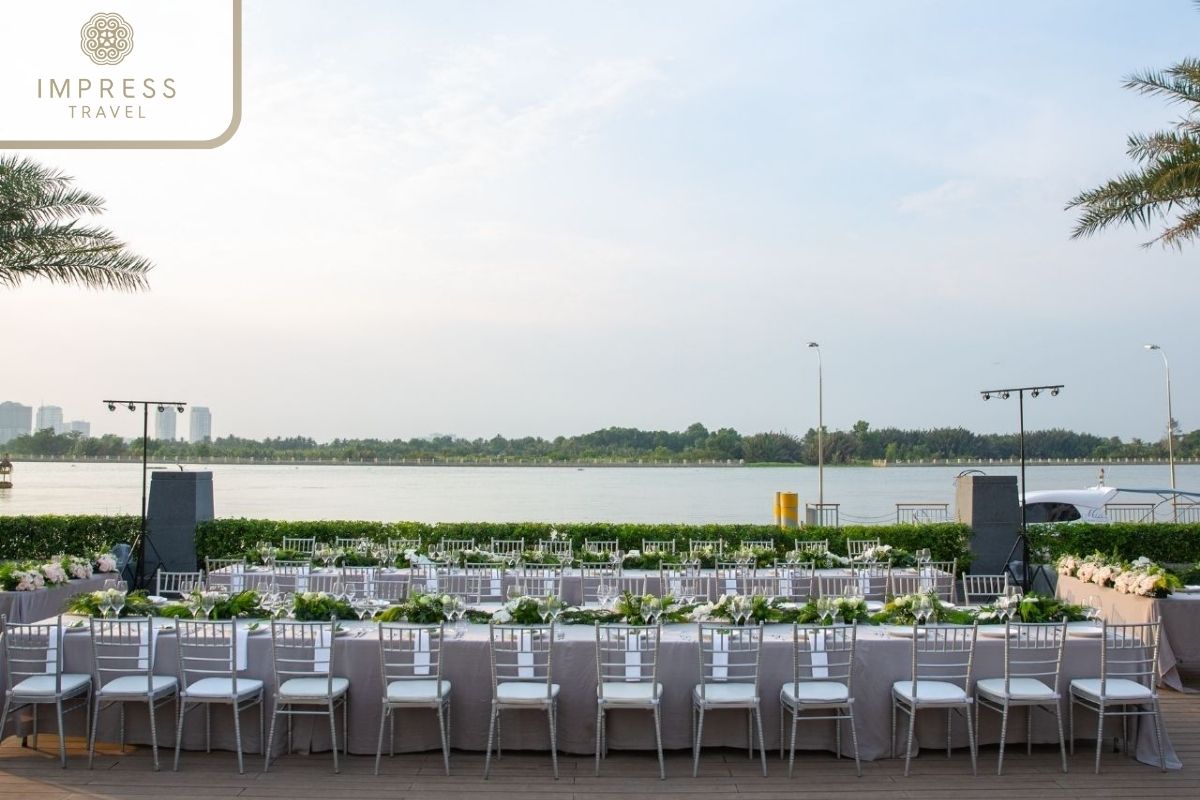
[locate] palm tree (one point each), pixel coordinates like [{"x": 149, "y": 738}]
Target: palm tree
[
  {"x": 40, "y": 235},
  {"x": 1166, "y": 185}
]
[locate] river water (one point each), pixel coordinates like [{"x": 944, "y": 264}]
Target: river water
[{"x": 539, "y": 494}]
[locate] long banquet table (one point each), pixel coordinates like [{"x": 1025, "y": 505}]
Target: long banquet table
[
  {"x": 882, "y": 658},
  {"x": 1179, "y": 612},
  {"x": 43, "y": 603}
]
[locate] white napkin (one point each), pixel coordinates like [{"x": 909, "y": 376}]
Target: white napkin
[
  {"x": 497, "y": 583},
  {"x": 144, "y": 634},
  {"x": 321, "y": 650},
  {"x": 53, "y": 642},
  {"x": 431, "y": 581},
  {"x": 818, "y": 658},
  {"x": 864, "y": 584},
  {"x": 548, "y": 586},
  {"x": 731, "y": 585},
  {"x": 633, "y": 657},
  {"x": 421, "y": 654},
  {"x": 785, "y": 582},
  {"x": 525, "y": 656},
  {"x": 241, "y": 646},
  {"x": 720, "y": 644},
  {"x": 926, "y": 577},
  {"x": 675, "y": 586},
  {"x": 237, "y": 580}
]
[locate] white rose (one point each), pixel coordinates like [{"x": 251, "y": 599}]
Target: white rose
[{"x": 502, "y": 616}]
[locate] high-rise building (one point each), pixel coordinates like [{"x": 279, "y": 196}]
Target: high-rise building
[
  {"x": 50, "y": 417},
  {"x": 200, "y": 428},
  {"x": 164, "y": 424},
  {"x": 82, "y": 427},
  {"x": 15, "y": 420}
]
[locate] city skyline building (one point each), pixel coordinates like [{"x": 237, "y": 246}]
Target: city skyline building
[
  {"x": 15, "y": 420},
  {"x": 164, "y": 424},
  {"x": 80, "y": 426},
  {"x": 50, "y": 417},
  {"x": 200, "y": 425}
]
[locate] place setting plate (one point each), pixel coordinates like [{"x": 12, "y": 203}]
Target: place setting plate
[{"x": 1085, "y": 630}]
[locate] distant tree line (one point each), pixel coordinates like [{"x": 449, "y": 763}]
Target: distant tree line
[{"x": 859, "y": 444}]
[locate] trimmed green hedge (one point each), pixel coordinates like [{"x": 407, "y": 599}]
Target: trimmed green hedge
[
  {"x": 1165, "y": 543},
  {"x": 223, "y": 537},
  {"x": 46, "y": 535}
]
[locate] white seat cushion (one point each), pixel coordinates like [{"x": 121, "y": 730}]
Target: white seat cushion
[
  {"x": 133, "y": 685},
  {"x": 722, "y": 693},
  {"x": 1018, "y": 689},
  {"x": 417, "y": 691},
  {"x": 524, "y": 692},
  {"x": 43, "y": 685},
  {"x": 630, "y": 692},
  {"x": 223, "y": 687},
  {"x": 1114, "y": 689},
  {"x": 814, "y": 693},
  {"x": 931, "y": 692},
  {"x": 317, "y": 689}
]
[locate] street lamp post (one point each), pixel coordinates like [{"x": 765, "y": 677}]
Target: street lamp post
[
  {"x": 1022, "y": 540},
  {"x": 1170, "y": 431},
  {"x": 139, "y": 546},
  {"x": 820, "y": 434}
]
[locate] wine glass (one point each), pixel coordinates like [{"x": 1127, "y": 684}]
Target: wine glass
[
  {"x": 1091, "y": 607},
  {"x": 921, "y": 609},
  {"x": 104, "y": 603},
  {"x": 362, "y": 606},
  {"x": 651, "y": 609},
  {"x": 118, "y": 602},
  {"x": 825, "y": 610},
  {"x": 543, "y": 609},
  {"x": 207, "y": 601},
  {"x": 513, "y": 591}
]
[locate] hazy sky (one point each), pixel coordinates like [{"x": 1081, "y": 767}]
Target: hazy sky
[{"x": 544, "y": 218}]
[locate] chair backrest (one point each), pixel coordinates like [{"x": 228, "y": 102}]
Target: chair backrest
[
  {"x": 1034, "y": 650},
  {"x": 901, "y": 584},
  {"x": 302, "y": 650},
  {"x": 423, "y": 578},
  {"x": 220, "y": 572},
  {"x": 815, "y": 546},
  {"x": 455, "y": 546},
  {"x": 401, "y": 545},
  {"x": 715, "y": 545},
  {"x": 750, "y": 585},
  {"x": 981, "y": 589},
  {"x": 521, "y": 653},
  {"x": 856, "y": 547},
  {"x": 627, "y": 654},
  {"x": 658, "y": 546},
  {"x": 683, "y": 582},
  {"x": 759, "y": 544},
  {"x": 392, "y": 586},
  {"x": 484, "y": 583},
  {"x": 728, "y": 575},
  {"x": 167, "y": 584},
  {"x": 32, "y": 649},
  {"x": 941, "y": 577},
  {"x": 328, "y": 581},
  {"x": 728, "y": 653},
  {"x": 943, "y": 653},
  {"x": 539, "y": 580},
  {"x": 591, "y": 578},
  {"x": 797, "y": 580},
  {"x": 823, "y": 653},
  {"x": 602, "y": 545},
  {"x": 352, "y": 543},
  {"x": 873, "y": 578},
  {"x": 121, "y": 648},
  {"x": 556, "y": 547},
  {"x": 359, "y": 580},
  {"x": 1130, "y": 652},
  {"x": 504, "y": 547},
  {"x": 409, "y": 652},
  {"x": 840, "y": 585},
  {"x": 301, "y": 544},
  {"x": 207, "y": 650}
]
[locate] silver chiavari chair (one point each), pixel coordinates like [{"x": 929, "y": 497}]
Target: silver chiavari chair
[
  {"x": 359, "y": 580},
  {"x": 873, "y": 578},
  {"x": 822, "y": 672},
  {"x": 410, "y": 663},
  {"x": 484, "y": 583},
  {"x": 684, "y": 582},
  {"x": 454, "y": 547},
  {"x": 522, "y": 679},
  {"x": 729, "y": 658},
  {"x": 1033, "y": 656},
  {"x": 856, "y": 547},
  {"x": 225, "y": 573},
  {"x": 717, "y": 546},
  {"x": 351, "y": 543},
  {"x": 1128, "y": 683},
  {"x": 797, "y": 580},
  {"x": 300, "y": 544},
  {"x": 400, "y": 546},
  {"x": 34, "y": 677},
  {"x": 902, "y": 584},
  {"x": 602, "y": 545},
  {"x": 302, "y": 655},
  {"x": 983, "y": 589},
  {"x": 942, "y": 660},
  {"x": 561, "y": 549},
  {"x": 507, "y": 547},
  {"x": 392, "y": 585},
  {"x": 211, "y": 654},
  {"x": 539, "y": 580},
  {"x": 627, "y": 678},
  {"x": 169, "y": 584},
  {"x": 123, "y": 658},
  {"x": 593, "y": 576},
  {"x": 940, "y": 577},
  {"x": 651, "y": 546},
  {"x": 751, "y": 585},
  {"x": 424, "y": 579},
  {"x": 759, "y": 544},
  {"x": 803, "y": 547},
  {"x": 728, "y": 576}
]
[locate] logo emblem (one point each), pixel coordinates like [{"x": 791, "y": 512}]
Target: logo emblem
[{"x": 106, "y": 39}]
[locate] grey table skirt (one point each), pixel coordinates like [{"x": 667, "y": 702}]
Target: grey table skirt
[{"x": 880, "y": 660}]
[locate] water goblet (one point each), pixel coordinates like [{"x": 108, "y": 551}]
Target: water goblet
[
  {"x": 543, "y": 609},
  {"x": 118, "y": 603},
  {"x": 104, "y": 603},
  {"x": 208, "y": 601}
]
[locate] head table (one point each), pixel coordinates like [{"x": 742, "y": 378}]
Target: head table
[
  {"x": 1179, "y": 613},
  {"x": 42, "y": 603},
  {"x": 883, "y": 656}
]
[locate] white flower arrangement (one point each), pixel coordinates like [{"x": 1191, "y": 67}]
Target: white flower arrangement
[
  {"x": 881, "y": 552},
  {"x": 106, "y": 562},
  {"x": 1141, "y": 577},
  {"x": 29, "y": 580},
  {"x": 53, "y": 573},
  {"x": 1067, "y": 565},
  {"x": 78, "y": 568}
]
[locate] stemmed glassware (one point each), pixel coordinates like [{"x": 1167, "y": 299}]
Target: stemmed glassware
[
  {"x": 825, "y": 610},
  {"x": 362, "y": 605},
  {"x": 458, "y": 607},
  {"x": 1091, "y": 607},
  {"x": 513, "y": 592},
  {"x": 651, "y": 609},
  {"x": 922, "y": 609},
  {"x": 105, "y": 602},
  {"x": 117, "y": 599}
]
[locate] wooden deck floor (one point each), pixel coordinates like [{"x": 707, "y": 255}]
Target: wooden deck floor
[{"x": 26, "y": 774}]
